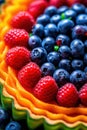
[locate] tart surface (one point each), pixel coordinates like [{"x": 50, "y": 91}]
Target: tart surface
[{"x": 24, "y": 101}]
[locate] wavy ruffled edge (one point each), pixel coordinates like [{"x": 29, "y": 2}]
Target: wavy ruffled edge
[{"x": 34, "y": 121}]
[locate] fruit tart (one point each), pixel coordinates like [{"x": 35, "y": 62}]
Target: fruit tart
[{"x": 43, "y": 62}]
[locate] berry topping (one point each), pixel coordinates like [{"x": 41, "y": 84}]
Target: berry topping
[
  {"x": 36, "y": 8},
  {"x": 48, "y": 44},
  {"x": 65, "y": 26},
  {"x": 16, "y": 37},
  {"x": 17, "y": 57},
  {"x": 46, "y": 89},
  {"x": 23, "y": 20},
  {"x": 78, "y": 78},
  {"x": 34, "y": 41},
  {"x": 83, "y": 94},
  {"x": 51, "y": 10},
  {"x": 13, "y": 125},
  {"x": 29, "y": 75},
  {"x": 61, "y": 76},
  {"x": 79, "y": 8},
  {"x": 57, "y": 41},
  {"x": 67, "y": 95},
  {"x": 38, "y": 55},
  {"x": 47, "y": 69}
]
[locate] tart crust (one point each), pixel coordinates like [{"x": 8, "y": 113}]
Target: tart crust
[{"x": 51, "y": 114}]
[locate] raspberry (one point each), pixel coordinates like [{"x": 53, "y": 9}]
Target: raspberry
[
  {"x": 29, "y": 75},
  {"x": 36, "y": 8},
  {"x": 46, "y": 89},
  {"x": 17, "y": 57},
  {"x": 83, "y": 94},
  {"x": 16, "y": 37},
  {"x": 67, "y": 95},
  {"x": 23, "y": 20},
  {"x": 57, "y": 3}
]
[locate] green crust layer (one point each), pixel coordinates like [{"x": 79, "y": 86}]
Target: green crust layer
[{"x": 8, "y": 103}]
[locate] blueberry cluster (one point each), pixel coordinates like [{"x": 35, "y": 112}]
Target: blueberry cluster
[{"x": 59, "y": 44}]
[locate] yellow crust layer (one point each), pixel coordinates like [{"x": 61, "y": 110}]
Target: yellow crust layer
[{"x": 12, "y": 87}]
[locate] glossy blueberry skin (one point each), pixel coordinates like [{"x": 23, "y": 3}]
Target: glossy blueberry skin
[
  {"x": 4, "y": 118},
  {"x": 77, "y": 64},
  {"x": 85, "y": 59},
  {"x": 55, "y": 19},
  {"x": 86, "y": 10},
  {"x": 70, "y": 14},
  {"x": 65, "y": 26},
  {"x": 65, "y": 64},
  {"x": 43, "y": 19},
  {"x": 81, "y": 19},
  {"x": 65, "y": 40},
  {"x": 38, "y": 30},
  {"x": 51, "y": 10},
  {"x": 78, "y": 32},
  {"x": 64, "y": 51},
  {"x": 78, "y": 78},
  {"x": 79, "y": 8},
  {"x": 77, "y": 48},
  {"x": 62, "y": 9},
  {"x": 47, "y": 69},
  {"x": 51, "y": 30},
  {"x": 34, "y": 41},
  {"x": 53, "y": 57},
  {"x": 61, "y": 76},
  {"x": 13, "y": 125},
  {"x": 48, "y": 43},
  {"x": 39, "y": 55},
  {"x": 85, "y": 69}
]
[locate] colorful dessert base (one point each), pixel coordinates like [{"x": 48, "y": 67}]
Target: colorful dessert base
[{"x": 22, "y": 103}]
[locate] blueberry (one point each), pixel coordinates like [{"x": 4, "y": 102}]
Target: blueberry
[
  {"x": 70, "y": 14},
  {"x": 53, "y": 57},
  {"x": 38, "y": 30},
  {"x": 65, "y": 26},
  {"x": 51, "y": 10},
  {"x": 78, "y": 78},
  {"x": 48, "y": 43},
  {"x": 61, "y": 76},
  {"x": 55, "y": 19},
  {"x": 79, "y": 8},
  {"x": 47, "y": 69},
  {"x": 65, "y": 64},
  {"x": 81, "y": 19},
  {"x": 86, "y": 10},
  {"x": 39, "y": 55},
  {"x": 62, "y": 9},
  {"x": 77, "y": 48},
  {"x": 51, "y": 30},
  {"x": 79, "y": 32},
  {"x": 85, "y": 59},
  {"x": 65, "y": 51},
  {"x": 85, "y": 69},
  {"x": 4, "y": 118},
  {"x": 63, "y": 39},
  {"x": 2, "y": 1},
  {"x": 13, "y": 125},
  {"x": 77, "y": 64},
  {"x": 34, "y": 41},
  {"x": 43, "y": 19}
]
